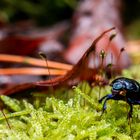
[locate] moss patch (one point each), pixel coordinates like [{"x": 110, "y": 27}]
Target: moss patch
[{"x": 69, "y": 114}]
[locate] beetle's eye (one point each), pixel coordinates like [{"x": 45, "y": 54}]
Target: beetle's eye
[{"x": 117, "y": 85}]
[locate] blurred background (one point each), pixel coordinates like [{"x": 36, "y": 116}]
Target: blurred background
[
  {"x": 64, "y": 29},
  {"x": 42, "y": 13},
  {"x": 45, "y": 13}
]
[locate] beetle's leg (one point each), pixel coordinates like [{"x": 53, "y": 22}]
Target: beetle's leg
[
  {"x": 131, "y": 102},
  {"x": 108, "y": 97},
  {"x": 103, "y": 98},
  {"x": 130, "y": 111}
]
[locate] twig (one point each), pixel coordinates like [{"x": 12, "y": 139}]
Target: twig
[
  {"x": 33, "y": 61},
  {"x": 30, "y": 71}
]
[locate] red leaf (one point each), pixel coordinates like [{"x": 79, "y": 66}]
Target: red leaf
[{"x": 80, "y": 69}]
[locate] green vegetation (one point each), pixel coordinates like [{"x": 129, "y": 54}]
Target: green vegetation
[{"x": 69, "y": 114}]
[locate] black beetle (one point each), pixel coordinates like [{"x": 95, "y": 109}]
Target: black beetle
[{"x": 124, "y": 89}]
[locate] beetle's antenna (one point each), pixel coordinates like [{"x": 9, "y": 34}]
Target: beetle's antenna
[{"x": 43, "y": 56}]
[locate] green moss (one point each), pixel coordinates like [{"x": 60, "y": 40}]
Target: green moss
[{"x": 69, "y": 114}]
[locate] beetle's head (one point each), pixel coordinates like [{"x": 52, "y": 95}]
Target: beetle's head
[{"x": 118, "y": 89}]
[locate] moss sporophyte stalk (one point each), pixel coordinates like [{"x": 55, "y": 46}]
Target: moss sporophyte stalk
[{"x": 69, "y": 114}]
